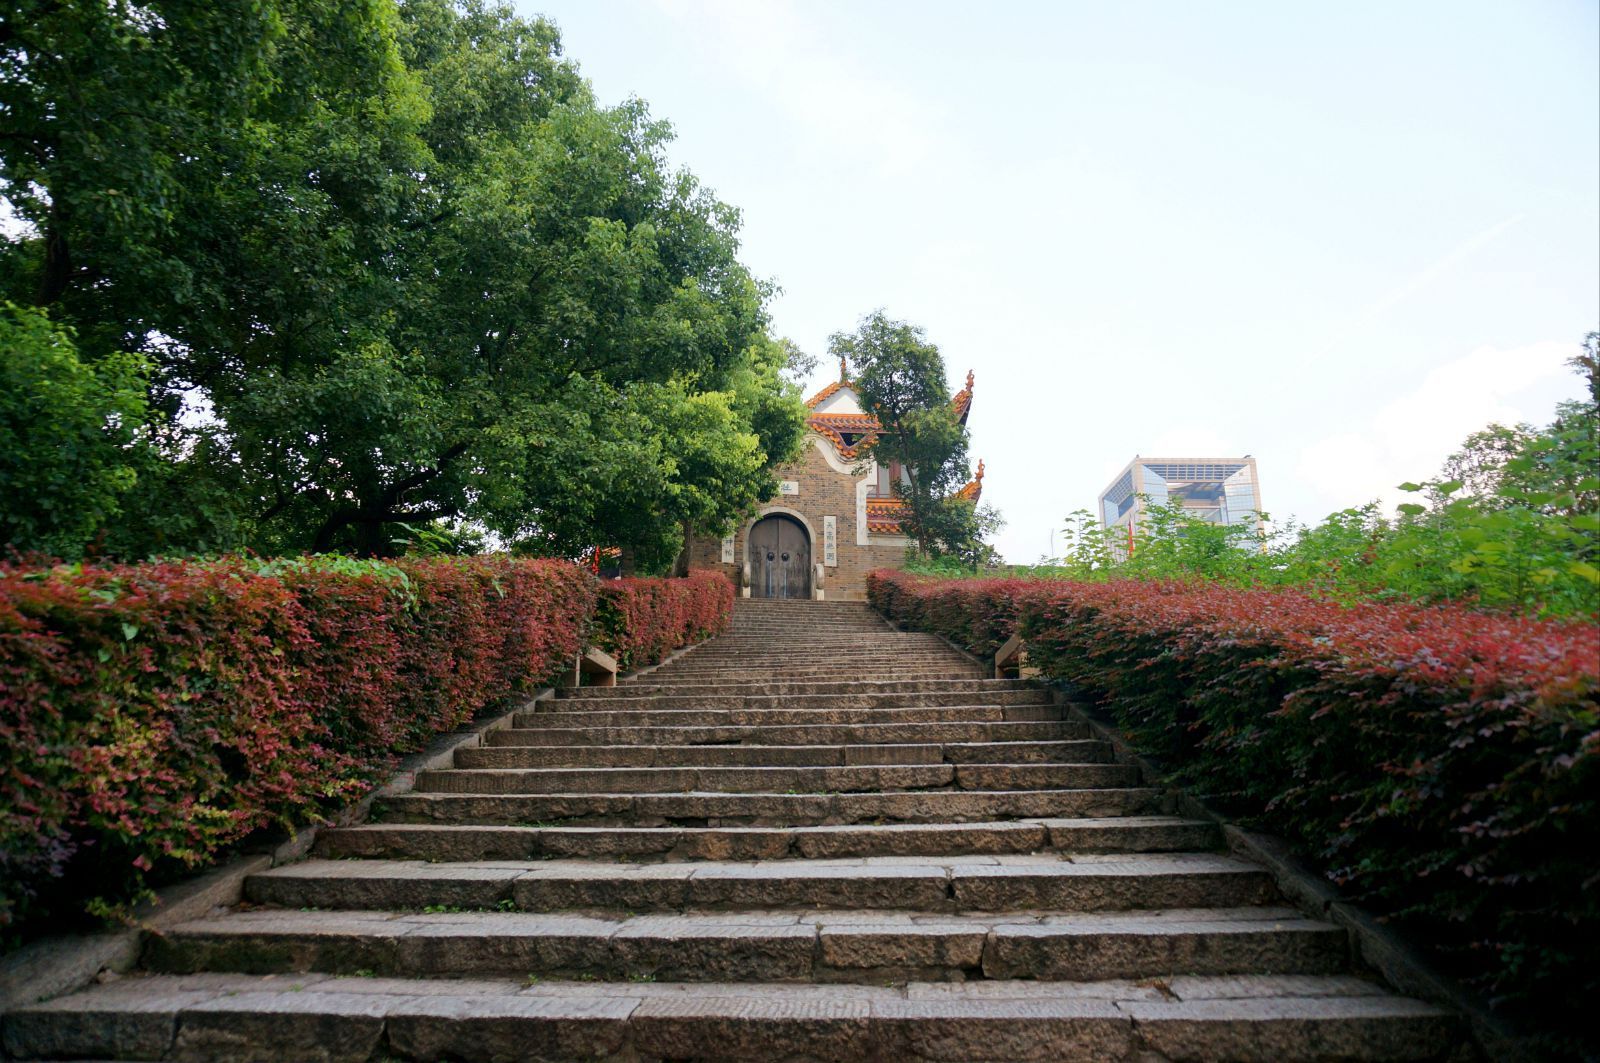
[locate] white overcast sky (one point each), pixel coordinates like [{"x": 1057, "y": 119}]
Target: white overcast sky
[{"x": 1336, "y": 236}]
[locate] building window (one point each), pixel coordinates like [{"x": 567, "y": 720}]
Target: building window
[{"x": 883, "y": 485}]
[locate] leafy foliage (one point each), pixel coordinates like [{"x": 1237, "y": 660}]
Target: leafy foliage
[
  {"x": 70, "y": 434},
  {"x": 152, "y": 715},
  {"x": 398, "y": 266},
  {"x": 1439, "y": 763},
  {"x": 900, "y": 377},
  {"x": 640, "y": 621}
]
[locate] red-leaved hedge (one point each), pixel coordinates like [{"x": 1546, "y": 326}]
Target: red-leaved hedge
[
  {"x": 152, "y": 715},
  {"x": 1437, "y": 762},
  {"x": 640, "y": 621}
]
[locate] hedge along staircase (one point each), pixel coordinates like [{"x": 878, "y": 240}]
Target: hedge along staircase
[{"x": 812, "y": 838}]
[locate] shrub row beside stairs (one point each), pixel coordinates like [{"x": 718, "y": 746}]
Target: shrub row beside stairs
[
  {"x": 640, "y": 621},
  {"x": 1438, "y": 763},
  {"x": 152, "y": 715}
]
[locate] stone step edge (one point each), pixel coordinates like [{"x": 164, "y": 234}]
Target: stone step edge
[
  {"x": 751, "y": 754},
  {"x": 761, "y": 687},
  {"x": 1073, "y": 732},
  {"x": 894, "y": 779},
  {"x": 366, "y": 1017},
  {"x": 1124, "y": 834},
  {"x": 934, "y": 885},
  {"x": 768, "y": 811},
  {"x": 787, "y": 945}
]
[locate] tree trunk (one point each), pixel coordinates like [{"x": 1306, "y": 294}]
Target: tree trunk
[
  {"x": 57, "y": 270},
  {"x": 371, "y": 540},
  {"x": 680, "y": 567}
]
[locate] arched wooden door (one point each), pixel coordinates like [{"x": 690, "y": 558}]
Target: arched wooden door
[{"x": 780, "y": 558}]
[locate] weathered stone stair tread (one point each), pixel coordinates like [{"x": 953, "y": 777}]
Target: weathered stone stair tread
[
  {"x": 653, "y": 685},
  {"x": 859, "y": 778},
  {"x": 972, "y": 883},
  {"x": 1078, "y": 751},
  {"x": 860, "y": 699},
  {"x": 819, "y": 715},
  {"x": 836, "y": 662},
  {"x": 793, "y": 734},
  {"x": 813, "y": 673},
  {"x": 918, "y": 806},
  {"x": 767, "y": 945},
  {"x": 431, "y": 841},
  {"x": 263, "y": 1019}
]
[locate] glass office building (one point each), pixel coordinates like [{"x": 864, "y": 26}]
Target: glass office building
[{"x": 1218, "y": 490}]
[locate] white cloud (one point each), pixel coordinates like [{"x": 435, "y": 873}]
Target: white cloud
[{"x": 1409, "y": 437}]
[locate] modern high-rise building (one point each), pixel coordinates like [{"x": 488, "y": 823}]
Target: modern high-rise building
[{"x": 1219, "y": 490}]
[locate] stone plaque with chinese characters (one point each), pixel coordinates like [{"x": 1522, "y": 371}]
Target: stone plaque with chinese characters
[
  {"x": 789, "y": 487},
  {"x": 830, "y": 541}
]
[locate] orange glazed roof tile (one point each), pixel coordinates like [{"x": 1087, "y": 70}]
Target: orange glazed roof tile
[
  {"x": 833, "y": 426},
  {"x": 883, "y": 515},
  {"x": 826, "y": 393},
  {"x": 962, "y": 401},
  {"x": 972, "y": 490},
  {"x": 832, "y": 389}
]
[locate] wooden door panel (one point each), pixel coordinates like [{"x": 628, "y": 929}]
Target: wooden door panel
[{"x": 780, "y": 559}]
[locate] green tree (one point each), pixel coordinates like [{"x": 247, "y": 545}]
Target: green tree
[
  {"x": 900, "y": 377},
  {"x": 404, "y": 268},
  {"x": 70, "y": 432}
]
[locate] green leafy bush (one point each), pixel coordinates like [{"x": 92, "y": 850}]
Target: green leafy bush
[{"x": 67, "y": 428}]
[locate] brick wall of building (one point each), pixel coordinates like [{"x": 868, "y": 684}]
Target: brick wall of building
[{"x": 828, "y": 486}]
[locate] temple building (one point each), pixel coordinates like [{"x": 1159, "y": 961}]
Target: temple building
[{"x": 835, "y": 517}]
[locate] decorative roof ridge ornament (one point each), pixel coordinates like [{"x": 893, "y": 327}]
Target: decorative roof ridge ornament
[
  {"x": 961, "y": 401},
  {"x": 973, "y": 490}
]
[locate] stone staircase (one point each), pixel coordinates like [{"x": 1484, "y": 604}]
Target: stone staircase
[{"x": 814, "y": 838}]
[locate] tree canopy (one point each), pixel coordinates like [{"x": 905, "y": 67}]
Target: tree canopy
[
  {"x": 900, "y": 377},
  {"x": 390, "y": 264}
]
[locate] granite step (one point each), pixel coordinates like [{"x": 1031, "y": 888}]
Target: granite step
[
  {"x": 1082, "y": 751},
  {"x": 864, "y": 673},
  {"x": 749, "y": 658},
  {"x": 707, "y": 717},
  {"x": 858, "y": 778},
  {"x": 833, "y": 666},
  {"x": 649, "y": 686},
  {"x": 267, "y": 1019},
  {"x": 757, "y": 946},
  {"x": 436, "y": 842},
  {"x": 858, "y": 699},
  {"x": 758, "y": 651},
  {"x": 708, "y": 735},
  {"x": 757, "y": 662},
  {"x": 1005, "y": 883},
  {"x": 770, "y": 809},
  {"x": 802, "y": 644}
]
